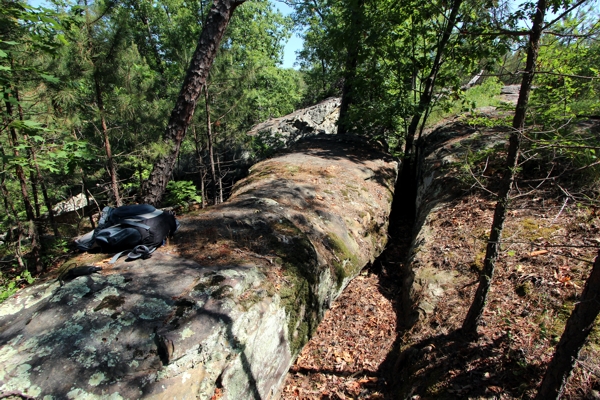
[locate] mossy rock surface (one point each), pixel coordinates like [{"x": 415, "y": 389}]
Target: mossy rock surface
[{"x": 229, "y": 303}]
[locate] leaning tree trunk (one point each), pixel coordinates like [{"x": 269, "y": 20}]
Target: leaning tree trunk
[
  {"x": 181, "y": 116},
  {"x": 404, "y": 206},
  {"x": 578, "y": 327},
  {"x": 34, "y": 254},
  {"x": 493, "y": 247}
]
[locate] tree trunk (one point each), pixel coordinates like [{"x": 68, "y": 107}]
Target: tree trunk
[
  {"x": 37, "y": 178},
  {"x": 350, "y": 69},
  {"x": 202, "y": 170},
  {"x": 209, "y": 140},
  {"x": 493, "y": 247},
  {"x": 112, "y": 171},
  {"x": 220, "y": 179},
  {"x": 34, "y": 254},
  {"x": 9, "y": 206},
  {"x": 32, "y": 177},
  {"x": 404, "y": 206},
  {"x": 85, "y": 191},
  {"x": 427, "y": 95},
  {"x": 578, "y": 327},
  {"x": 19, "y": 169},
  {"x": 181, "y": 116}
]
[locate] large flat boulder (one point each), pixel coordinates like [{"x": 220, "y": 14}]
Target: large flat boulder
[{"x": 224, "y": 309}]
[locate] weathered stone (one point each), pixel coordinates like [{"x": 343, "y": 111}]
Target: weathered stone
[
  {"x": 442, "y": 154},
  {"x": 227, "y": 305},
  {"x": 284, "y": 131}
]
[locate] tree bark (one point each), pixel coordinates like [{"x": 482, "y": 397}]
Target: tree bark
[
  {"x": 19, "y": 169},
  {"x": 209, "y": 140},
  {"x": 34, "y": 254},
  {"x": 220, "y": 178},
  {"x": 112, "y": 171},
  {"x": 493, "y": 247},
  {"x": 404, "y": 206},
  {"x": 202, "y": 171},
  {"x": 195, "y": 78},
  {"x": 577, "y": 329},
  {"x": 9, "y": 206},
  {"x": 37, "y": 178},
  {"x": 350, "y": 69}
]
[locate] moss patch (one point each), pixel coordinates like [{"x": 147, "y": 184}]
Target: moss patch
[
  {"x": 346, "y": 263},
  {"x": 298, "y": 259}
]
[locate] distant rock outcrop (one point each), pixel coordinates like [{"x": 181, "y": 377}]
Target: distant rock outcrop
[
  {"x": 223, "y": 310},
  {"x": 284, "y": 131}
]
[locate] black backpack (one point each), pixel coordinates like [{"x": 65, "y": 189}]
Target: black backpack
[{"x": 141, "y": 228}]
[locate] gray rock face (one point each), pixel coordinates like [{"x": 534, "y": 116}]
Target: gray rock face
[
  {"x": 441, "y": 157},
  {"x": 225, "y": 308},
  {"x": 284, "y": 131}
]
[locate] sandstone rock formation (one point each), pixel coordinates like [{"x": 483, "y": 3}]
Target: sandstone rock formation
[
  {"x": 442, "y": 155},
  {"x": 225, "y": 307},
  {"x": 282, "y": 132}
]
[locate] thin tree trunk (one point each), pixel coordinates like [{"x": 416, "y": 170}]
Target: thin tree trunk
[
  {"x": 37, "y": 179},
  {"x": 203, "y": 186},
  {"x": 34, "y": 192},
  {"x": 202, "y": 170},
  {"x": 9, "y": 206},
  {"x": 30, "y": 151},
  {"x": 112, "y": 171},
  {"x": 19, "y": 169},
  {"x": 32, "y": 228},
  {"x": 427, "y": 95},
  {"x": 181, "y": 116},
  {"x": 404, "y": 206},
  {"x": 209, "y": 139},
  {"x": 350, "y": 69},
  {"x": 493, "y": 247},
  {"x": 84, "y": 188},
  {"x": 577, "y": 329},
  {"x": 220, "y": 179}
]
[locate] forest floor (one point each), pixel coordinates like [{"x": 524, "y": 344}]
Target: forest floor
[{"x": 552, "y": 234}]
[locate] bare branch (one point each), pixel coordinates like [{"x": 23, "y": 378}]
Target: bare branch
[{"x": 561, "y": 16}]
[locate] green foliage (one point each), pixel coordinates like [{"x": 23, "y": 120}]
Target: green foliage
[
  {"x": 394, "y": 46},
  {"x": 181, "y": 192},
  {"x": 567, "y": 84},
  {"x": 9, "y": 286},
  {"x": 483, "y": 95}
]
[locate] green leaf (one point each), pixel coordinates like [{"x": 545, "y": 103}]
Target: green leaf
[
  {"x": 50, "y": 78},
  {"x": 31, "y": 124},
  {"x": 3, "y": 54},
  {"x": 61, "y": 38}
]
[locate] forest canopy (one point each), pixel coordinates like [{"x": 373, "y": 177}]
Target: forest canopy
[{"x": 87, "y": 88}]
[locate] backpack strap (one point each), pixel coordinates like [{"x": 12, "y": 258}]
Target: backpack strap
[
  {"x": 141, "y": 251},
  {"x": 116, "y": 257}
]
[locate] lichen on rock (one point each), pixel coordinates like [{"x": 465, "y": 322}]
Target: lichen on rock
[{"x": 229, "y": 303}]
